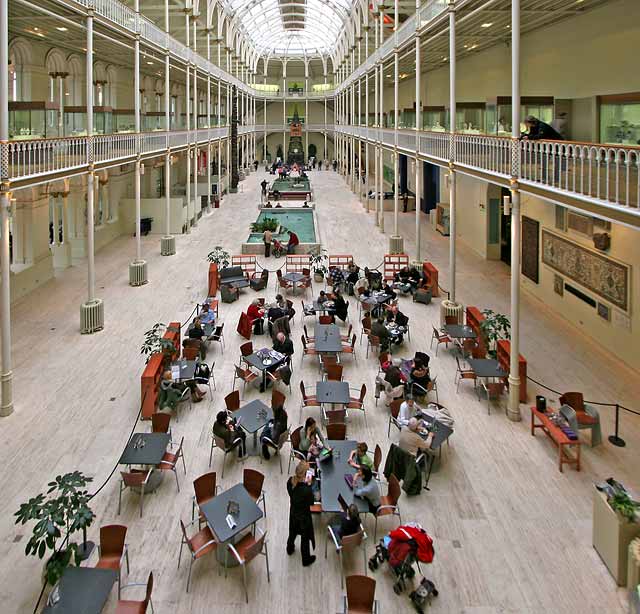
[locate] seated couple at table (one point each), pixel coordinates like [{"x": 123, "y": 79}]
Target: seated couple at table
[
  {"x": 280, "y": 308},
  {"x": 415, "y": 438},
  {"x": 171, "y": 391},
  {"x": 228, "y": 430},
  {"x": 196, "y": 334},
  {"x": 408, "y": 278},
  {"x": 395, "y": 316},
  {"x": 207, "y": 315},
  {"x": 340, "y": 305}
]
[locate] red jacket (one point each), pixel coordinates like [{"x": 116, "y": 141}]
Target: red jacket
[
  {"x": 425, "y": 543},
  {"x": 254, "y": 312}
]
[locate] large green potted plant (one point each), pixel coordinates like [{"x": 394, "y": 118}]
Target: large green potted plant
[
  {"x": 58, "y": 514},
  {"x": 155, "y": 343},
  {"x": 495, "y": 326},
  {"x": 318, "y": 262},
  {"x": 268, "y": 223},
  {"x": 220, "y": 257}
]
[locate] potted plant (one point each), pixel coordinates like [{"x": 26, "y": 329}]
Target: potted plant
[
  {"x": 155, "y": 343},
  {"x": 495, "y": 326},
  {"x": 318, "y": 264},
  {"x": 60, "y": 512},
  {"x": 220, "y": 257}
]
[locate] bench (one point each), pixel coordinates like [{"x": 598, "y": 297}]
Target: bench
[
  {"x": 558, "y": 437},
  {"x": 233, "y": 275}
]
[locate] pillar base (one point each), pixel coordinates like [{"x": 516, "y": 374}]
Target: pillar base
[
  {"x": 450, "y": 308},
  {"x": 6, "y": 408},
  {"x": 91, "y": 316},
  {"x": 396, "y": 244},
  {"x": 513, "y": 408},
  {"x": 138, "y": 273},
  {"x": 167, "y": 246}
]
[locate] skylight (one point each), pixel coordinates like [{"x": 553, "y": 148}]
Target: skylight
[{"x": 291, "y": 27}]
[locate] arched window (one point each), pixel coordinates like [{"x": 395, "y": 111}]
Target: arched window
[{"x": 19, "y": 75}]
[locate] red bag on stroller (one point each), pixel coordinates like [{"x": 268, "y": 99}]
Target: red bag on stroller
[{"x": 400, "y": 546}]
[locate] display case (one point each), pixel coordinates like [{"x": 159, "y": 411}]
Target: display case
[
  {"x": 442, "y": 218},
  {"x": 33, "y": 120},
  {"x": 153, "y": 121},
  {"x": 124, "y": 120},
  {"x": 75, "y": 121},
  {"x": 434, "y": 119},
  {"x": 498, "y": 112},
  {"x": 470, "y": 117},
  {"x": 408, "y": 118},
  {"x": 620, "y": 119}
]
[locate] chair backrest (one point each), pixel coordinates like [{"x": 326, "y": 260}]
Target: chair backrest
[
  {"x": 363, "y": 392},
  {"x": 337, "y": 416},
  {"x": 334, "y": 373},
  {"x": 295, "y": 438},
  {"x": 574, "y": 400},
  {"x": 569, "y": 414},
  {"x": 133, "y": 478},
  {"x": 304, "y": 342},
  {"x": 394, "y": 489},
  {"x": 351, "y": 542},
  {"x": 302, "y": 390},
  {"x": 366, "y": 324},
  {"x": 436, "y": 332},
  {"x": 383, "y": 358},
  {"x": 304, "y": 328},
  {"x": 246, "y": 349},
  {"x": 240, "y": 372},
  {"x": 328, "y": 359},
  {"x": 178, "y": 453},
  {"x": 361, "y": 592},
  {"x": 377, "y": 458},
  {"x": 353, "y": 342},
  {"x": 220, "y": 442},
  {"x": 253, "y": 481},
  {"x": 112, "y": 538},
  {"x": 190, "y": 352},
  {"x": 394, "y": 406},
  {"x": 373, "y": 340},
  {"x": 205, "y": 486},
  {"x": 217, "y": 335},
  {"x": 337, "y": 431},
  {"x": 495, "y": 389},
  {"x": 147, "y": 597},
  {"x": 277, "y": 398},
  {"x": 232, "y": 400},
  {"x": 160, "y": 422},
  {"x": 254, "y": 549},
  {"x": 325, "y": 319}
]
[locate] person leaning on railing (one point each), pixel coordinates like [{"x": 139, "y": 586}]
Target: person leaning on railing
[{"x": 539, "y": 131}]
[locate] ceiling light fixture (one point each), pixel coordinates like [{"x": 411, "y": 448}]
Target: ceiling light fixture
[
  {"x": 61, "y": 29},
  {"x": 487, "y": 25},
  {"x": 150, "y": 63}
]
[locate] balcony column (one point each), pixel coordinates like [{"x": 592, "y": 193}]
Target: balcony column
[
  {"x": 208, "y": 31},
  {"x": 324, "y": 152},
  {"x": 376, "y": 114},
  {"x": 352, "y": 140},
  {"x": 359, "y": 122},
  {"x": 366, "y": 114},
  {"x": 92, "y": 311},
  {"x": 381, "y": 108},
  {"x": 219, "y": 190},
  {"x": 228, "y": 147},
  {"x": 284, "y": 112},
  {"x": 6, "y": 372},
  {"x": 167, "y": 242},
  {"x": 196, "y": 111},
  {"x": 188, "y": 121},
  {"x": 137, "y": 268},
  {"x": 396, "y": 241},
  {"x": 452, "y": 174},
  {"x": 513, "y": 410},
  {"x": 418, "y": 178}
]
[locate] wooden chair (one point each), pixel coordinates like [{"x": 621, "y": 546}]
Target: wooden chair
[
  {"x": 334, "y": 416},
  {"x": 232, "y": 401},
  {"x": 276, "y": 376},
  {"x": 337, "y": 431},
  {"x": 358, "y": 402},
  {"x": 247, "y": 376},
  {"x": 350, "y": 349},
  {"x": 218, "y": 335},
  {"x": 377, "y": 459},
  {"x": 307, "y": 400},
  {"x": 366, "y": 327},
  {"x": 334, "y": 373},
  {"x": 276, "y": 445},
  {"x": 346, "y": 545},
  {"x": 328, "y": 359},
  {"x": 136, "y": 478},
  {"x": 383, "y": 359},
  {"x": 295, "y": 452},
  {"x": 253, "y": 481},
  {"x": 465, "y": 374},
  {"x": 394, "y": 411},
  {"x": 440, "y": 338},
  {"x": 360, "y": 598},
  {"x": 494, "y": 391},
  {"x": 160, "y": 423},
  {"x": 277, "y": 398},
  {"x": 112, "y": 549},
  {"x": 190, "y": 352},
  {"x": 136, "y": 607},
  {"x": 170, "y": 460},
  {"x": 373, "y": 343},
  {"x": 207, "y": 381},
  {"x": 307, "y": 350},
  {"x": 389, "y": 503},
  {"x": 205, "y": 488},
  {"x": 217, "y": 442},
  {"x": 247, "y": 549},
  {"x": 200, "y": 544},
  {"x": 246, "y": 349}
]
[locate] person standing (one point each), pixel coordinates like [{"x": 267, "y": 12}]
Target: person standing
[
  {"x": 264, "y": 185},
  {"x": 405, "y": 201},
  {"x": 300, "y": 520},
  {"x": 267, "y": 238},
  {"x": 293, "y": 241}
]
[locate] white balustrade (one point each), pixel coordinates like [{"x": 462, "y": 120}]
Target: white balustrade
[
  {"x": 434, "y": 145},
  {"x": 107, "y": 148},
  {"x": 29, "y": 159},
  {"x": 488, "y": 153}
]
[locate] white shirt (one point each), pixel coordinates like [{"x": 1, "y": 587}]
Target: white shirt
[{"x": 406, "y": 413}]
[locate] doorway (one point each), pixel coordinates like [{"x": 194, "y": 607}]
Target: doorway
[
  {"x": 430, "y": 187},
  {"x": 505, "y": 230},
  {"x": 402, "y": 167}
]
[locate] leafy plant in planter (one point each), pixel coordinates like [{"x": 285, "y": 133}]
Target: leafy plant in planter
[
  {"x": 624, "y": 505},
  {"x": 318, "y": 264},
  {"x": 220, "y": 257},
  {"x": 268, "y": 223},
  {"x": 494, "y": 326},
  {"x": 62, "y": 511},
  {"x": 155, "y": 343}
]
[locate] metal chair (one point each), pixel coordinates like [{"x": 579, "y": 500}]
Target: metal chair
[
  {"x": 334, "y": 373},
  {"x": 131, "y": 607},
  {"x": 295, "y": 453},
  {"x": 358, "y": 402},
  {"x": 232, "y": 401},
  {"x": 205, "y": 488},
  {"x": 218, "y": 442},
  {"x": 345, "y": 545},
  {"x": 440, "y": 338},
  {"x": 247, "y": 549},
  {"x": 394, "y": 411},
  {"x": 136, "y": 478},
  {"x": 112, "y": 549},
  {"x": 160, "y": 422},
  {"x": 247, "y": 376},
  {"x": 218, "y": 335},
  {"x": 360, "y": 597},
  {"x": 373, "y": 343},
  {"x": 246, "y": 349},
  {"x": 307, "y": 400},
  {"x": 253, "y": 481},
  {"x": 334, "y": 416},
  {"x": 351, "y": 348},
  {"x": 277, "y": 445},
  {"x": 206, "y": 381},
  {"x": 389, "y": 503},
  {"x": 465, "y": 374},
  {"x": 170, "y": 460},
  {"x": 200, "y": 544},
  {"x": 494, "y": 391}
]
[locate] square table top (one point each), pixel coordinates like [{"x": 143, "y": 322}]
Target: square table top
[
  {"x": 256, "y": 361},
  {"x": 155, "y": 445},
  {"x": 460, "y": 331},
  {"x": 187, "y": 370},
  {"x": 332, "y": 392},
  {"x": 293, "y": 277},
  {"x": 83, "y": 590},
  {"x": 325, "y": 306},
  {"x": 250, "y": 416},
  {"x": 215, "y": 513},
  {"x": 332, "y": 472},
  {"x": 327, "y": 338},
  {"x": 486, "y": 367},
  {"x": 240, "y": 283}
]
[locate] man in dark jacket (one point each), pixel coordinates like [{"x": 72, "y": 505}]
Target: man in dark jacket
[
  {"x": 225, "y": 428},
  {"x": 283, "y": 344},
  {"x": 378, "y": 329},
  {"x": 539, "y": 131}
]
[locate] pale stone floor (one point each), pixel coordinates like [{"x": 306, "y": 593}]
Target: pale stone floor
[{"x": 511, "y": 533}]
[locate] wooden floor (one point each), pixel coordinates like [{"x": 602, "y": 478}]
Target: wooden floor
[{"x": 512, "y": 534}]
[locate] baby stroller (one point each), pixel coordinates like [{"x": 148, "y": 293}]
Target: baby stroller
[
  {"x": 278, "y": 249},
  {"x": 404, "y": 547}
]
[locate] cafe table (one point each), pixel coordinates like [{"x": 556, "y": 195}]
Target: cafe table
[
  {"x": 146, "y": 449},
  {"x": 252, "y": 417},
  {"x": 81, "y": 590},
  {"x": 486, "y": 368},
  {"x": 183, "y": 370},
  {"x": 265, "y": 360},
  {"x": 327, "y": 339}
]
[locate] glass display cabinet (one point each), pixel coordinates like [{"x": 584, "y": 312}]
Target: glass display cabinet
[
  {"x": 33, "y": 120},
  {"x": 498, "y": 112},
  {"x": 75, "y": 121},
  {"x": 434, "y": 119},
  {"x": 408, "y": 118},
  {"x": 124, "y": 120},
  {"x": 470, "y": 117},
  {"x": 153, "y": 121},
  {"x": 620, "y": 119}
]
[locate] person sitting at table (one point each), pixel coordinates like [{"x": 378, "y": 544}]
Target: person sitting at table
[
  {"x": 394, "y": 376},
  {"x": 311, "y": 439},
  {"x": 422, "y": 357},
  {"x": 197, "y": 332},
  {"x": 419, "y": 375},
  {"x": 284, "y": 345},
  {"x": 407, "y": 411},
  {"x": 389, "y": 291},
  {"x": 410, "y": 440},
  {"x": 170, "y": 391},
  {"x": 300, "y": 519},
  {"x": 397, "y": 317},
  {"x": 293, "y": 241},
  {"x": 340, "y": 305},
  {"x": 402, "y": 278},
  {"x": 274, "y": 429},
  {"x": 363, "y": 283},
  {"x": 268, "y": 205},
  {"x": 347, "y": 523},
  {"x": 353, "y": 273},
  {"x": 359, "y": 456},
  {"x": 255, "y": 314},
  {"x": 365, "y": 487},
  {"x": 322, "y": 297},
  {"x": 225, "y": 427},
  {"x": 207, "y": 315},
  {"x": 378, "y": 329}
]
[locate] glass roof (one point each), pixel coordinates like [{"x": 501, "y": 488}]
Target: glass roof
[{"x": 292, "y": 27}]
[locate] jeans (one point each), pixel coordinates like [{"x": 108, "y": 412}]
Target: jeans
[{"x": 267, "y": 250}]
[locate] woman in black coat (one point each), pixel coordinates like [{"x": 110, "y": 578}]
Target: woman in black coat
[
  {"x": 300, "y": 520},
  {"x": 340, "y": 305}
]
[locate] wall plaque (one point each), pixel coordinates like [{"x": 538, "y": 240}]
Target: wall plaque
[{"x": 530, "y": 248}]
